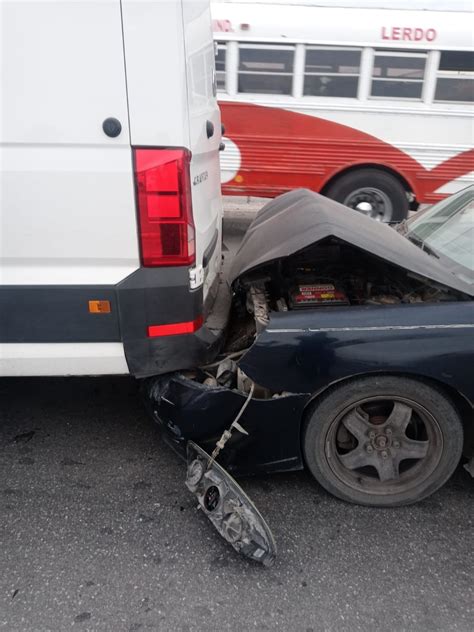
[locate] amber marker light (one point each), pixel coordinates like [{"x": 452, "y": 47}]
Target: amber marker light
[{"x": 99, "y": 307}]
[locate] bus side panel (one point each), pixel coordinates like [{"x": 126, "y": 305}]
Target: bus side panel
[{"x": 276, "y": 149}]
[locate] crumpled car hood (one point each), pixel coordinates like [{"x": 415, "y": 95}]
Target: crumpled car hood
[{"x": 298, "y": 219}]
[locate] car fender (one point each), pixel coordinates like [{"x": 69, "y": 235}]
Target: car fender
[{"x": 307, "y": 351}]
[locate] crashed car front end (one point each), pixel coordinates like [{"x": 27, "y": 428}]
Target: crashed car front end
[{"x": 332, "y": 295}]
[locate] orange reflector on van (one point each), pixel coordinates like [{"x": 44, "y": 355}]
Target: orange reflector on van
[
  {"x": 174, "y": 329},
  {"x": 99, "y": 307}
]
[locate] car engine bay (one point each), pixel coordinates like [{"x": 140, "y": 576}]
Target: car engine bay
[{"x": 331, "y": 274}]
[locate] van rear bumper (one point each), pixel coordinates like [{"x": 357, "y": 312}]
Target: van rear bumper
[
  {"x": 150, "y": 297},
  {"x": 155, "y": 356},
  {"x": 40, "y": 317}
]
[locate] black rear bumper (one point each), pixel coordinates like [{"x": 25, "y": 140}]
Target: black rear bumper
[
  {"x": 149, "y": 296},
  {"x": 159, "y": 297}
]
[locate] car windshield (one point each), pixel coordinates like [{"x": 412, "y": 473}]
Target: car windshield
[{"x": 447, "y": 229}]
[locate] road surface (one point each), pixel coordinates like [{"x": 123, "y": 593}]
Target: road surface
[{"x": 98, "y": 532}]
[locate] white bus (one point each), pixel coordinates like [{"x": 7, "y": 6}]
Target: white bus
[{"x": 371, "y": 106}]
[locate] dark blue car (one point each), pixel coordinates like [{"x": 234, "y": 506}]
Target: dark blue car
[{"x": 349, "y": 350}]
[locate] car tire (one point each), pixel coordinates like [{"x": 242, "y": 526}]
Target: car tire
[
  {"x": 375, "y": 193},
  {"x": 382, "y": 441}
]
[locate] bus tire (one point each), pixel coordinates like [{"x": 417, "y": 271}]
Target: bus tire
[{"x": 375, "y": 193}]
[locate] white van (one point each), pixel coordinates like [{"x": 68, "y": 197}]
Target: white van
[{"x": 110, "y": 242}]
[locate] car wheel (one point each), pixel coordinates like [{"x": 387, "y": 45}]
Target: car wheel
[
  {"x": 382, "y": 441},
  {"x": 374, "y": 193}
]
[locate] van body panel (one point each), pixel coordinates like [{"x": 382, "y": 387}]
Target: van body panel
[
  {"x": 52, "y": 51},
  {"x": 153, "y": 41},
  {"x": 73, "y": 358},
  {"x": 57, "y": 313},
  {"x": 205, "y": 134},
  {"x": 64, "y": 182},
  {"x": 71, "y": 215},
  {"x": 171, "y": 103},
  {"x": 69, "y": 229}
]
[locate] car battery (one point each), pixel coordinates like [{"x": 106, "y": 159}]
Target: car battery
[{"x": 312, "y": 295}]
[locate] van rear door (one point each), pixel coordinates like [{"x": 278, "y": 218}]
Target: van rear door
[
  {"x": 204, "y": 137},
  {"x": 170, "y": 74}
]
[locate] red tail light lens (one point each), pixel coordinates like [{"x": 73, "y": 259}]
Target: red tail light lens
[{"x": 166, "y": 225}]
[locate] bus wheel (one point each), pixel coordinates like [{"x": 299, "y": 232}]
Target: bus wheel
[{"x": 375, "y": 193}]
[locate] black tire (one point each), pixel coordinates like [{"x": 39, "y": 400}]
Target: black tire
[
  {"x": 382, "y": 190},
  {"x": 379, "y": 468}
]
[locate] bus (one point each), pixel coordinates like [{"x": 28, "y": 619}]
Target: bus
[{"x": 371, "y": 106}]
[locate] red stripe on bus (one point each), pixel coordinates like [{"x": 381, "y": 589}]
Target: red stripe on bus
[{"x": 282, "y": 150}]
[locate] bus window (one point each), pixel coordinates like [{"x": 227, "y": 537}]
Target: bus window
[
  {"x": 455, "y": 77},
  {"x": 331, "y": 72},
  {"x": 266, "y": 69},
  {"x": 220, "y": 66},
  {"x": 398, "y": 74}
]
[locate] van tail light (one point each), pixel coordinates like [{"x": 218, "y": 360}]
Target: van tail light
[{"x": 165, "y": 216}]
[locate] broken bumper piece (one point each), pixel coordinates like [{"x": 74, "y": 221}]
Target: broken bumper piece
[
  {"x": 187, "y": 410},
  {"x": 247, "y": 429},
  {"x": 229, "y": 509}
]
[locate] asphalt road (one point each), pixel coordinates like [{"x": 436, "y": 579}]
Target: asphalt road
[{"x": 98, "y": 532}]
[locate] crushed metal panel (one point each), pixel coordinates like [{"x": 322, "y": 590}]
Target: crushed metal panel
[
  {"x": 190, "y": 411},
  {"x": 299, "y": 219}
]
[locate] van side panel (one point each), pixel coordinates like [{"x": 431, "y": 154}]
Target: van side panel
[
  {"x": 68, "y": 219},
  {"x": 73, "y": 358},
  {"x": 68, "y": 210}
]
